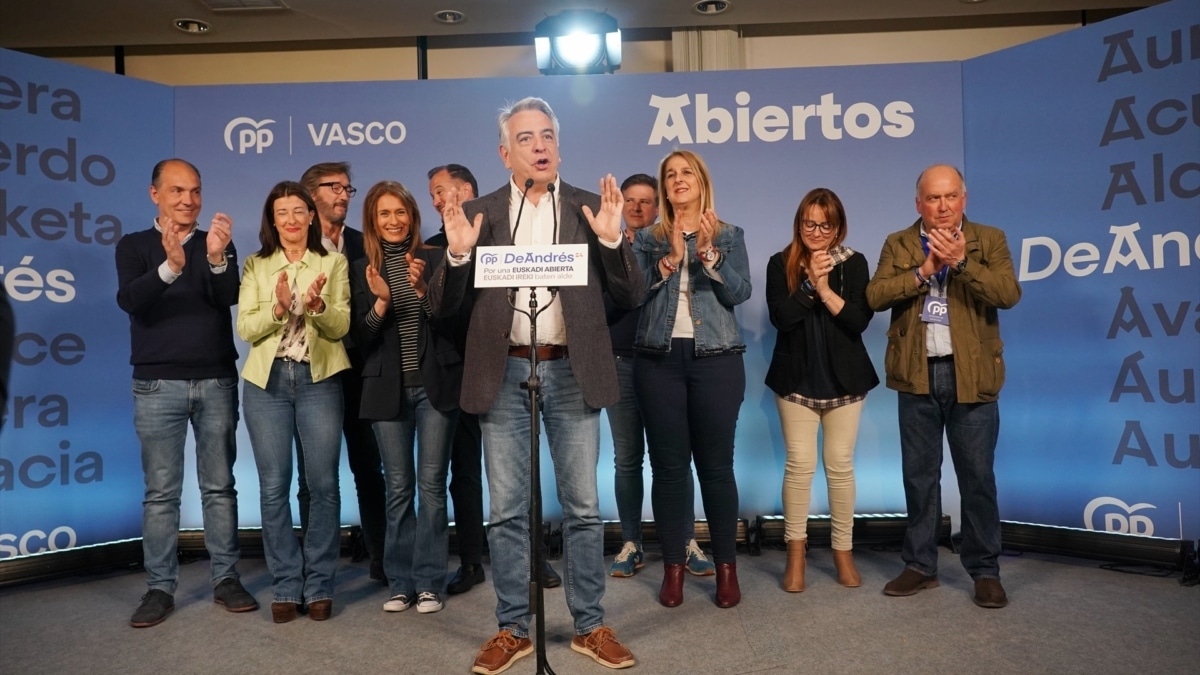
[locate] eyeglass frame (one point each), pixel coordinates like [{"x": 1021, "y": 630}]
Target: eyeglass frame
[
  {"x": 338, "y": 188},
  {"x": 812, "y": 226}
]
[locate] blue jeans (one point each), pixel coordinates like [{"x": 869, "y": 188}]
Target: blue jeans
[
  {"x": 629, "y": 451},
  {"x": 972, "y": 430},
  {"x": 573, "y": 429},
  {"x": 162, "y": 410},
  {"x": 415, "y": 547},
  {"x": 294, "y": 405}
]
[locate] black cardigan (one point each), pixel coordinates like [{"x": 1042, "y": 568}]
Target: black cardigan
[
  {"x": 439, "y": 346},
  {"x": 848, "y": 356}
]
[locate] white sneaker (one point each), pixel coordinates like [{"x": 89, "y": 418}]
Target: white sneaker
[
  {"x": 397, "y": 603},
  {"x": 427, "y": 602}
]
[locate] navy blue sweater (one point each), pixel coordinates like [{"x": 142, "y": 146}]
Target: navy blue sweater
[{"x": 182, "y": 330}]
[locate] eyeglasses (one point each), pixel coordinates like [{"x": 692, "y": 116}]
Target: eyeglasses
[
  {"x": 338, "y": 188},
  {"x": 812, "y": 225}
]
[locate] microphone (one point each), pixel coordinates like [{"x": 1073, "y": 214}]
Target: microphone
[
  {"x": 553, "y": 210},
  {"x": 517, "y": 225}
]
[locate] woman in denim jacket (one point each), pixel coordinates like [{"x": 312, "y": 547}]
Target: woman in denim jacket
[{"x": 688, "y": 374}]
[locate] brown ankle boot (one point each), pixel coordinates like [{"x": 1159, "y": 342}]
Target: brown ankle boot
[
  {"x": 671, "y": 593},
  {"x": 847, "y": 574},
  {"x": 793, "y": 575},
  {"x": 728, "y": 591}
]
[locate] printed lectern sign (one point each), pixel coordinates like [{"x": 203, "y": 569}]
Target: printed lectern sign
[{"x": 516, "y": 266}]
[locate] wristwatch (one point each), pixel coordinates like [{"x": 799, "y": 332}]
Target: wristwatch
[
  {"x": 709, "y": 255},
  {"x": 962, "y": 265}
]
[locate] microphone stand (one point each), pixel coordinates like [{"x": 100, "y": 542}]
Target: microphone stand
[
  {"x": 536, "y": 556},
  {"x": 534, "y": 386}
]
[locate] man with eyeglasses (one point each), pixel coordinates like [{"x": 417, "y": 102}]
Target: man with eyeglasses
[
  {"x": 329, "y": 185},
  {"x": 944, "y": 278}
]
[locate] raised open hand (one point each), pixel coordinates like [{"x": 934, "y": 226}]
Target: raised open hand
[{"x": 607, "y": 223}]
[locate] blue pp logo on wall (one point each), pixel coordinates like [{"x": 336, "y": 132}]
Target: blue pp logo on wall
[
  {"x": 1121, "y": 518},
  {"x": 249, "y": 135}
]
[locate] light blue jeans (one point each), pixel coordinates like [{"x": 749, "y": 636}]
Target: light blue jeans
[
  {"x": 971, "y": 430},
  {"x": 162, "y": 410},
  {"x": 573, "y": 429},
  {"x": 415, "y": 548},
  {"x": 291, "y": 405}
]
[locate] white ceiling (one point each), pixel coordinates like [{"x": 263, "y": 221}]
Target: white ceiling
[{"x": 32, "y": 24}]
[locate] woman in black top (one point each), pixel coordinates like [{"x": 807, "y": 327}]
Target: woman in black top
[{"x": 820, "y": 372}]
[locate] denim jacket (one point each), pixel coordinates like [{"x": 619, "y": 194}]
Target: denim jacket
[{"x": 712, "y": 300}]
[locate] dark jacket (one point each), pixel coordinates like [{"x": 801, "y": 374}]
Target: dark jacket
[
  {"x": 847, "y": 355},
  {"x": 439, "y": 348},
  {"x": 612, "y": 270}
]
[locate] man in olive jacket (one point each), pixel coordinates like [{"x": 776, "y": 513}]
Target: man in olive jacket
[{"x": 944, "y": 278}]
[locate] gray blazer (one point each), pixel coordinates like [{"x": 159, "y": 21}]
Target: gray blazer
[{"x": 611, "y": 270}]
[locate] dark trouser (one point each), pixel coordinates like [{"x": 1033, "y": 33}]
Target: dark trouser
[
  {"x": 690, "y": 406},
  {"x": 362, "y": 453},
  {"x": 466, "y": 488},
  {"x": 971, "y": 430}
]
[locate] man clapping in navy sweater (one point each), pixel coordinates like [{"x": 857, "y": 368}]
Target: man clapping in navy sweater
[{"x": 177, "y": 283}]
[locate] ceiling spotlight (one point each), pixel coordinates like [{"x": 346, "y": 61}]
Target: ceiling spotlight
[
  {"x": 710, "y": 7},
  {"x": 191, "y": 26},
  {"x": 577, "y": 42},
  {"x": 449, "y": 16}
]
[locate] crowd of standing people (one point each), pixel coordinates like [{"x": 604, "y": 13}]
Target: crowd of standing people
[{"x": 367, "y": 335}]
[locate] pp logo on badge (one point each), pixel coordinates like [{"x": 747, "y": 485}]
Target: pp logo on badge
[
  {"x": 250, "y": 134},
  {"x": 1123, "y": 523}
]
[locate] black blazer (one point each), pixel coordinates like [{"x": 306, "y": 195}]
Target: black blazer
[
  {"x": 353, "y": 244},
  {"x": 847, "y": 355},
  {"x": 440, "y": 345}
]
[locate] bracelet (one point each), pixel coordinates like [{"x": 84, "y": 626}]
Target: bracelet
[
  {"x": 456, "y": 256},
  {"x": 671, "y": 267},
  {"x": 921, "y": 281}
]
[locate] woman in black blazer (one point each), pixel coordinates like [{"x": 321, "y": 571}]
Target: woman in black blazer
[
  {"x": 412, "y": 378},
  {"x": 820, "y": 372}
]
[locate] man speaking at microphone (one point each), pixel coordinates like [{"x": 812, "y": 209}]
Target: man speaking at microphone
[{"x": 575, "y": 368}]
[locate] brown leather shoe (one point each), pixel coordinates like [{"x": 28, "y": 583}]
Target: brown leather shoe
[
  {"x": 989, "y": 593},
  {"x": 320, "y": 610},
  {"x": 728, "y": 591},
  {"x": 671, "y": 593},
  {"x": 503, "y": 650},
  {"x": 908, "y": 583},
  {"x": 604, "y": 648},
  {"x": 283, "y": 612},
  {"x": 847, "y": 573},
  {"x": 793, "y": 574}
]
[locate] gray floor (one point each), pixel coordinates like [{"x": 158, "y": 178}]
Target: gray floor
[{"x": 1065, "y": 616}]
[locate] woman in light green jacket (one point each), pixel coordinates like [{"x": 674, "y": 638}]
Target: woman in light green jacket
[{"x": 293, "y": 309}]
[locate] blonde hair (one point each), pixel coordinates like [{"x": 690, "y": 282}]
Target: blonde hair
[{"x": 662, "y": 229}]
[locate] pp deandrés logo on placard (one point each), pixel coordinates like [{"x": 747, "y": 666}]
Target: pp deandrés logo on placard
[{"x": 515, "y": 266}]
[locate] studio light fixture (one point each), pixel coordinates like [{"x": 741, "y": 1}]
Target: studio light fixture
[{"x": 577, "y": 42}]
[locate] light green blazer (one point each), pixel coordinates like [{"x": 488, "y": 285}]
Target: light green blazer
[{"x": 256, "y": 321}]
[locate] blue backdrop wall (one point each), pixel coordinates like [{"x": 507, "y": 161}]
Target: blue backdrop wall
[{"x": 1060, "y": 140}]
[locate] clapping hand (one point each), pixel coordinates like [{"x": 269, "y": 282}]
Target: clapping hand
[
  {"x": 219, "y": 236},
  {"x": 416, "y": 271},
  {"x": 283, "y": 295},
  {"x": 312, "y": 299}
]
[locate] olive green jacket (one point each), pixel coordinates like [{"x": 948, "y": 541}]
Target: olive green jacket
[{"x": 985, "y": 285}]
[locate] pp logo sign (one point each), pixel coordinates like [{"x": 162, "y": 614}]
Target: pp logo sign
[
  {"x": 250, "y": 134},
  {"x": 489, "y": 259},
  {"x": 1123, "y": 521}
]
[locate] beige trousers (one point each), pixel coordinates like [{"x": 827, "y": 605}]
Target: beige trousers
[{"x": 840, "y": 430}]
